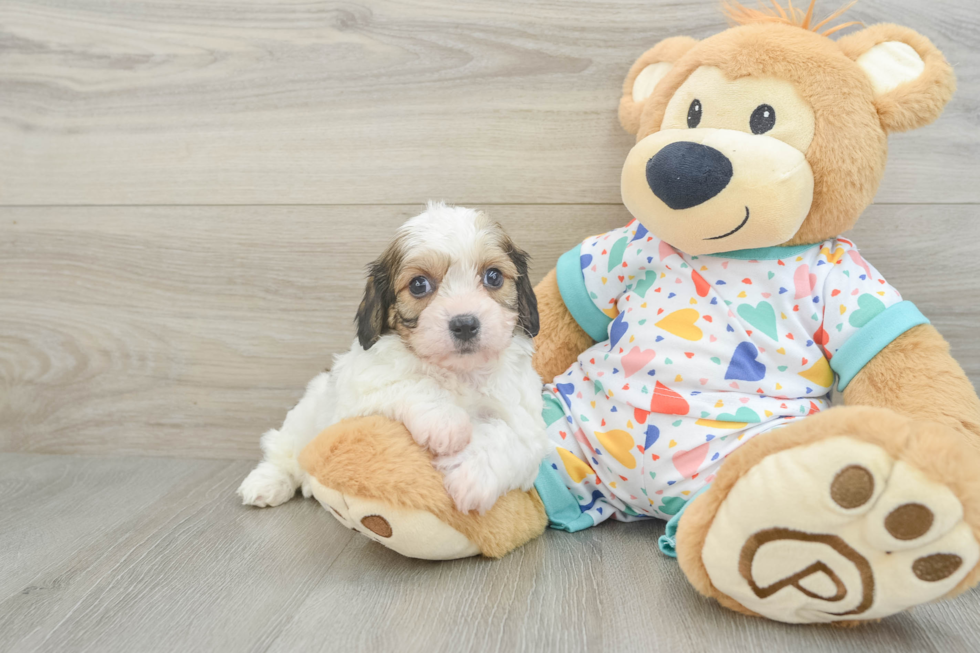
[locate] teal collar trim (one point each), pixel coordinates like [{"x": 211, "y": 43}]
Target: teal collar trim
[{"x": 765, "y": 253}]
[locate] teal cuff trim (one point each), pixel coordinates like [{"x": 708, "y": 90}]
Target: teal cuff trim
[
  {"x": 571, "y": 284},
  {"x": 765, "y": 253},
  {"x": 667, "y": 543},
  {"x": 562, "y": 508},
  {"x": 872, "y": 338}
]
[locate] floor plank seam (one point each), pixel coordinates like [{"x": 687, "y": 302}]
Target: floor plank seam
[{"x": 298, "y": 609}]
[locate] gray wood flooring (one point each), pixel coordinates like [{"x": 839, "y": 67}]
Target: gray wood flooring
[
  {"x": 188, "y": 194},
  {"x": 153, "y": 554}
]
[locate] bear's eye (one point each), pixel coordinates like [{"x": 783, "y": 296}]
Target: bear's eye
[
  {"x": 763, "y": 119},
  {"x": 694, "y": 114}
]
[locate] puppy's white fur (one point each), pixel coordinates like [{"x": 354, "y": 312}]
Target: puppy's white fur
[{"x": 478, "y": 410}]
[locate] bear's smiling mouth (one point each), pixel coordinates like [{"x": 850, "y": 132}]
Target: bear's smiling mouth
[{"x": 733, "y": 230}]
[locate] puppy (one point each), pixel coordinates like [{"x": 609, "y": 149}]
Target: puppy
[{"x": 443, "y": 346}]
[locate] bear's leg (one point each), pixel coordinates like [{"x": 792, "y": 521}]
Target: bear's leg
[
  {"x": 561, "y": 339},
  {"x": 372, "y": 476},
  {"x": 849, "y": 515}
]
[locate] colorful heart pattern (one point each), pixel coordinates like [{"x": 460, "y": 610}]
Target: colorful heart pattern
[
  {"x": 636, "y": 359},
  {"x": 820, "y": 373},
  {"x": 644, "y": 284},
  {"x": 703, "y": 353},
  {"x": 617, "y": 330},
  {"x": 804, "y": 281},
  {"x": 688, "y": 462},
  {"x": 869, "y": 307},
  {"x": 744, "y": 366},
  {"x": 618, "y": 443},
  {"x": 762, "y": 316},
  {"x": 576, "y": 469},
  {"x": 616, "y": 254},
  {"x": 682, "y": 324},
  {"x": 667, "y": 402}
]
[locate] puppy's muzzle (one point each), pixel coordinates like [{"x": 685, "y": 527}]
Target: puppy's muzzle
[
  {"x": 465, "y": 328},
  {"x": 685, "y": 174}
]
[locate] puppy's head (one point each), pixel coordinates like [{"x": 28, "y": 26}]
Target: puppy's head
[{"x": 453, "y": 286}]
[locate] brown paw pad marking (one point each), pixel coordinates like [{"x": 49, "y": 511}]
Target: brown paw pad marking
[
  {"x": 909, "y": 521},
  {"x": 377, "y": 525},
  {"x": 343, "y": 520},
  {"x": 936, "y": 567},
  {"x": 861, "y": 564},
  {"x": 852, "y": 487}
]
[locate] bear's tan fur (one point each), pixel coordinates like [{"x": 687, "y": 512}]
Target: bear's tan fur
[{"x": 913, "y": 400}]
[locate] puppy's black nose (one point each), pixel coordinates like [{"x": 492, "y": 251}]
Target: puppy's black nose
[
  {"x": 464, "y": 327},
  {"x": 685, "y": 174}
]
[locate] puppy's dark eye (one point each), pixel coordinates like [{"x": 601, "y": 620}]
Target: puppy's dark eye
[
  {"x": 493, "y": 278},
  {"x": 763, "y": 119},
  {"x": 694, "y": 114},
  {"x": 419, "y": 287}
]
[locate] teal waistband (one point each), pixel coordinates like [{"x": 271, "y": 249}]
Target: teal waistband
[
  {"x": 562, "y": 508},
  {"x": 667, "y": 543}
]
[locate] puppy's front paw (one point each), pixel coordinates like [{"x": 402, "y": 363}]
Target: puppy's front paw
[
  {"x": 444, "y": 430},
  {"x": 471, "y": 485},
  {"x": 266, "y": 485},
  {"x": 307, "y": 487}
]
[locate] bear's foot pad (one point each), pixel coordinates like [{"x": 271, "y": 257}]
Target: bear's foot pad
[
  {"x": 412, "y": 533},
  {"x": 837, "y": 531}
]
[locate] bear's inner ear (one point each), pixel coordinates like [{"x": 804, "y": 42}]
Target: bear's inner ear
[
  {"x": 643, "y": 77},
  {"x": 910, "y": 78},
  {"x": 890, "y": 64},
  {"x": 647, "y": 80}
]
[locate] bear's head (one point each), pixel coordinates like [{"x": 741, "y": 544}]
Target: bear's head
[{"x": 770, "y": 133}]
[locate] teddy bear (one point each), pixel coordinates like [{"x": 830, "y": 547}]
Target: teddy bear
[{"x": 690, "y": 355}]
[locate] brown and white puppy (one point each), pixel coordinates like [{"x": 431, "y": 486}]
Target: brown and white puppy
[
  {"x": 443, "y": 345},
  {"x": 454, "y": 295}
]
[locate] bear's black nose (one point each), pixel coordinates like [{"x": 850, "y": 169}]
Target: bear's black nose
[{"x": 686, "y": 174}]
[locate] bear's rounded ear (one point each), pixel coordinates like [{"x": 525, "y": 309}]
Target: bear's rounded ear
[
  {"x": 643, "y": 76},
  {"x": 910, "y": 77}
]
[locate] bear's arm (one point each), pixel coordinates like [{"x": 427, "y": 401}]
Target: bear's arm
[
  {"x": 560, "y": 339},
  {"x": 916, "y": 376}
]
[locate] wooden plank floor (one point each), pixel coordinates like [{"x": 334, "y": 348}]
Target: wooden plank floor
[
  {"x": 154, "y": 554},
  {"x": 188, "y": 195}
]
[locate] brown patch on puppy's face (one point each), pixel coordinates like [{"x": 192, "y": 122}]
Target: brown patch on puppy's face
[
  {"x": 425, "y": 270},
  {"x": 379, "y": 295},
  {"x": 516, "y": 293},
  {"x": 453, "y": 286}
]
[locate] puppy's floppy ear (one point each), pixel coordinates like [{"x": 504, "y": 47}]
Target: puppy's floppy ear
[
  {"x": 527, "y": 302},
  {"x": 379, "y": 297},
  {"x": 652, "y": 66},
  {"x": 910, "y": 77}
]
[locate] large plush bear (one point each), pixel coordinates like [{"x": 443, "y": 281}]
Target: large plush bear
[{"x": 693, "y": 351}]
